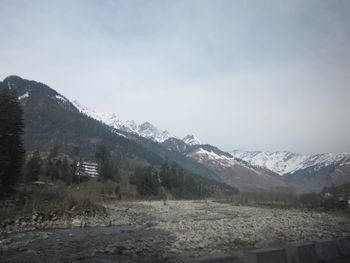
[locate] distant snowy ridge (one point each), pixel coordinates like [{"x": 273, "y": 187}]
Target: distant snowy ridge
[
  {"x": 146, "y": 129},
  {"x": 284, "y": 162}
]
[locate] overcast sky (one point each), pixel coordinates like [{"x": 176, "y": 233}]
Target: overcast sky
[{"x": 250, "y": 75}]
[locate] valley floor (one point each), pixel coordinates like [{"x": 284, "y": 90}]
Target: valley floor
[{"x": 157, "y": 231}]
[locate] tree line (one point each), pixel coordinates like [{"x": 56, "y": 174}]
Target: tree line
[
  {"x": 60, "y": 167},
  {"x": 172, "y": 178}
]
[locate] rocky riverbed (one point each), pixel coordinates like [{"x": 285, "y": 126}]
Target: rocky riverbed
[{"x": 160, "y": 231}]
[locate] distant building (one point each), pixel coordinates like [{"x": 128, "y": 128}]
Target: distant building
[
  {"x": 87, "y": 169},
  {"x": 327, "y": 195}
]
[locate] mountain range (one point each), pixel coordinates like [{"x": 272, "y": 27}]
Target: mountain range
[
  {"x": 306, "y": 173},
  {"x": 248, "y": 170},
  {"x": 284, "y": 162},
  {"x": 145, "y": 129},
  {"x": 51, "y": 118}
]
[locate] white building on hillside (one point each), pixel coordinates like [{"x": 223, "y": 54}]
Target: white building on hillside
[{"x": 87, "y": 169}]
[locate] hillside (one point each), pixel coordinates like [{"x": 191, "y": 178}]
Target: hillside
[
  {"x": 51, "y": 119},
  {"x": 229, "y": 170}
]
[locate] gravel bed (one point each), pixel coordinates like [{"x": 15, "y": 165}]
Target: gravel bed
[
  {"x": 215, "y": 227},
  {"x": 172, "y": 230}
]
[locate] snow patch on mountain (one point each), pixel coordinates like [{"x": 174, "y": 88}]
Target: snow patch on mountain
[
  {"x": 25, "y": 95},
  {"x": 285, "y": 162},
  {"x": 202, "y": 155},
  {"x": 91, "y": 113},
  {"x": 61, "y": 98},
  {"x": 120, "y": 134},
  {"x": 191, "y": 140}
]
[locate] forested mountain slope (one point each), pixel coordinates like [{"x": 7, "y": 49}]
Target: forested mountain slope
[{"x": 51, "y": 119}]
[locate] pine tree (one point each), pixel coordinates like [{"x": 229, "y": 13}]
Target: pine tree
[
  {"x": 164, "y": 174},
  {"x": 75, "y": 178},
  {"x": 106, "y": 169},
  {"x": 33, "y": 168},
  {"x": 52, "y": 164},
  {"x": 66, "y": 173},
  {"x": 11, "y": 146},
  {"x": 116, "y": 174},
  {"x": 147, "y": 181}
]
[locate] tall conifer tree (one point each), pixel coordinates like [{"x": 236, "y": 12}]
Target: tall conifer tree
[
  {"x": 33, "y": 168},
  {"x": 11, "y": 146}
]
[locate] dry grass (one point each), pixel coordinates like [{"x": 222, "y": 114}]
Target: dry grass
[{"x": 45, "y": 199}]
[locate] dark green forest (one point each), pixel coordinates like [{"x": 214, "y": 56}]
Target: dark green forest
[{"x": 173, "y": 178}]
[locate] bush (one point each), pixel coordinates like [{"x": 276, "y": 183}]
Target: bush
[{"x": 45, "y": 200}]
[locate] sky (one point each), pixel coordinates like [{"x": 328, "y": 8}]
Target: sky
[{"x": 239, "y": 74}]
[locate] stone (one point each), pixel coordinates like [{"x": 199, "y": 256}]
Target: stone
[
  {"x": 76, "y": 222},
  {"x": 79, "y": 223},
  {"x": 174, "y": 250},
  {"x": 35, "y": 217},
  {"x": 268, "y": 255}
]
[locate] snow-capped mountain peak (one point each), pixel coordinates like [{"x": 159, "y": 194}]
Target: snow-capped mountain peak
[
  {"x": 145, "y": 129},
  {"x": 284, "y": 162},
  {"x": 191, "y": 140},
  {"x": 149, "y": 131}
]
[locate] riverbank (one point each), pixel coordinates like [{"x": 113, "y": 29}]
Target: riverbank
[{"x": 173, "y": 230}]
